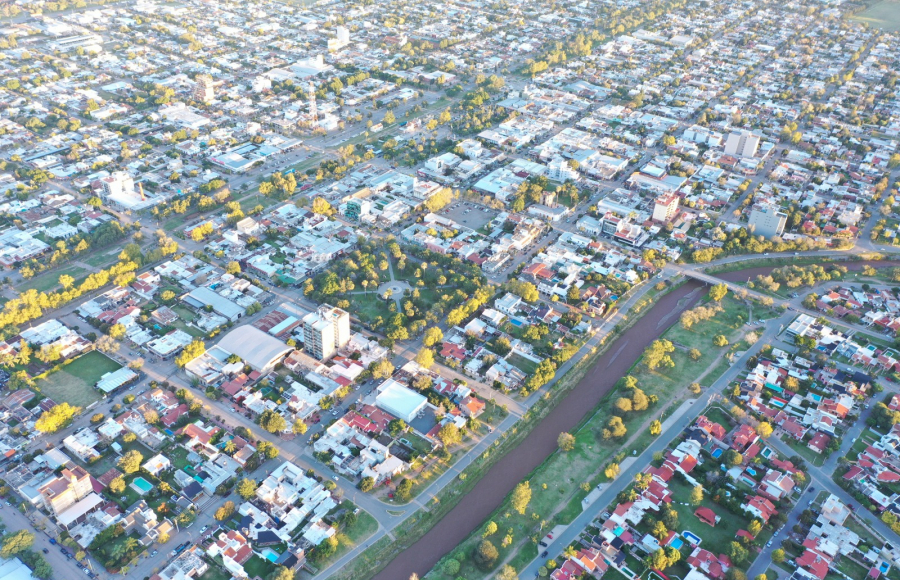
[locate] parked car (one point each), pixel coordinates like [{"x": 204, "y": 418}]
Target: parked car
[
  {"x": 545, "y": 554},
  {"x": 46, "y": 551}
]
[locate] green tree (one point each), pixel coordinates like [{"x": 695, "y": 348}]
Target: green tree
[
  {"x": 225, "y": 511},
  {"x": 449, "y": 435},
  {"x": 366, "y": 484},
  {"x": 489, "y": 530},
  {"x": 778, "y": 556},
  {"x": 272, "y": 422},
  {"x": 720, "y": 340},
  {"x": 246, "y": 488},
  {"x": 404, "y": 490},
  {"x": 117, "y": 485},
  {"x": 425, "y": 358},
  {"x": 131, "y": 461},
  {"x": 486, "y": 554},
  {"x": 55, "y": 418},
  {"x": 507, "y": 572},
  {"x": 16, "y": 543},
  {"x": 432, "y": 336},
  {"x": 718, "y": 292},
  {"x": 190, "y": 352},
  {"x": 697, "y": 495},
  {"x": 657, "y": 354},
  {"x": 281, "y": 573},
  {"x": 299, "y": 427},
  {"x": 521, "y": 497},
  {"x": 566, "y": 441}
]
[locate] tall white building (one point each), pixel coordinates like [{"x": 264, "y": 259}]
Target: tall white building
[
  {"x": 341, "y": 39},
  {"x": 743, "y": 144},
  {"x": 203, "y": 88},
  {"x": 118, "y": 184},
  {"x": 665, "y": 207},
  {"x": 767, "y": 221},
  {"x": 325, "y": 331}
]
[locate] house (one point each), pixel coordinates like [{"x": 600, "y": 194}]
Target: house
[
  {"x": 776, "y": 485},
  {"x": 707, "y": 516},
  {"x": 713, "y": 566},
  {"x": 157, "y": 464},
  {"x": 760, "y": 507},
  {"x": 819, "y": 442},
  {"x": 234, "y": 549},
  {"x": 472, "y": 406}
]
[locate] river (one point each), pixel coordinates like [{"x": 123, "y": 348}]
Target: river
[{"x": 498, "y": 482}]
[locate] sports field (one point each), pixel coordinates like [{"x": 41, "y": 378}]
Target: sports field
[
  {"x": 74, "y": 383},
  {"x": 884, "y": 15}
]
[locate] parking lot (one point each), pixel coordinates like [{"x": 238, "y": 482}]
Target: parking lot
[{"x": 471, "y": 215}]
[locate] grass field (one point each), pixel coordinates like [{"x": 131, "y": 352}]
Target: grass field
[
  {"x": 50, "y": 280},
  {"x": 215, "y": 573},
  {"x": 102, "y": 259},
  {"x": 74, "y": 383},
  {"x": 884, "y": 15},
  {"x": 523, "y": 364},
  {"x": 716, "y": 540}
]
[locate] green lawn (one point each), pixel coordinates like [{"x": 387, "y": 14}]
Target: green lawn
[
  {"x": 727, "y": 322},
  {"x": 805, "y": 452},
  {"x": 523, "y": 364},
  {"x": 215, "y": 573},
  {"x": 257, "y": 566},
  {"x": 102, "y": 259},
  {"x": 50, "y": 280},
  {"x": 884, "y": 15},
  {"x": 74, "y": 382},
  {"x": 715, "y": 539},
  {"x": 368, "y": 307}
]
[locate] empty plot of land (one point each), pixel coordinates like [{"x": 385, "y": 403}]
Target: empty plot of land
[
  {"x": 74, "y": 383},
  {"x": 884, "y": 15}
]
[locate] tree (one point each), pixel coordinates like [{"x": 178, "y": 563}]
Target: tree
[
  {"x": 281, "y": 573},
  {"x": 655, "y": 428},
  {"x": 657, "y": 354},
  {"x": 432, "y": 336},
  {"x": 764, "y": 430},
  {"x": 272, "y": 422},
  {"x": 738, "y": 553},
  {"x": 697, "y": 495},
  {"x": 521, "y": 497},
  {"x": 450, "y": 567},
  {"x": 754, "y": 527},
  {"x": 246, "y": 488},
  {"x": 566, "y": 441},
  {"x": 507, "y": 572},
  {"x": 322, "y": 207},
  {"x": 718, "y": 292},
  {"x": 117, "y": 485},
  {"x": 16, "y": 543},
  {"x": 573, "y": 295},
  {"x": 611, "y": 471},
  {"x": 190, "y": 352},
  {"x": 366, "y": 484},
  {"x": 233, "y": 268},
  {"x": 299, "y": 427},
  {"x": 720, "y": 340},
  {"x": 486, "y": 554},
  {"x": 695, "y": 388},
  {"x": 615, "y": 429},
  {"x": 131, "y": 461},
  {"x": 55, "y": 418},
  {"x": 267, "y": 450},
  {"x": 449, "y": 435},
  {"x": 225, "y": 511},
  {"x": 489, "y": 530},
  {"x": 388, "y": 118},
  {"x": 778, "y": 556},
  {"x": 381, "y": 369},
  {"x": 695, "y": 354},
  {"x": 396, "y": 427},
  {"x": 425, "y": 358},
  {"x": 404, "y": 490}
]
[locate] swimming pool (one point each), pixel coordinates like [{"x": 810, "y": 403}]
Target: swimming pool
[
  {"x": 692, "y": 538},
  {"x": 717, "y": 453},
  {"x": 676, "y": 543},
  {"x": 142, "y": 484},
  {"x": 775, "y": 388},
  {"x": 270, "y": 554},
  {"x": 815, "y": 397},
  {"x": 751, "y": 471},
  {"x": 515, "y": 322},
  {"x": 748, "y": 480},
  {"x": 776, "y": 402}
]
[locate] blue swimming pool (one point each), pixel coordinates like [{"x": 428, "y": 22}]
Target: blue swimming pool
[
  {"x": 515, "y": 322},
  {"x": 751, "y": 471},
  {"x": 776, "y": 403},
  {"x": 142, "y": 484},
  {"x": 676, "y": 543},
  {"x": 692, "y": 538},
  {"x": 270, "y": 554},
  {"x": 815, "y": 397},
  {"x": 717, "y": 453}
]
